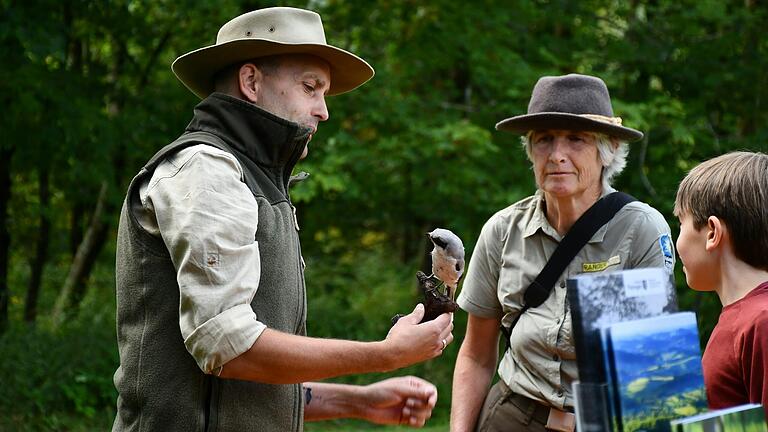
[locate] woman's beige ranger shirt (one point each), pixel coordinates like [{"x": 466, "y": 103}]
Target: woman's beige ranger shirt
[{"x": 513, "y": 247}]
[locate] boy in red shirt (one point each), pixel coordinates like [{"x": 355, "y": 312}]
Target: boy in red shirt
[{"x": 722, "y": 205}]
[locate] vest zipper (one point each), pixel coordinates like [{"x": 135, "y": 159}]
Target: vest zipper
[
  {"x": 211, "y": 404},
  {"x": 295, "y": 219},
  {"x": 207, "y": 402},
  {"x": 301, "y": 317}
]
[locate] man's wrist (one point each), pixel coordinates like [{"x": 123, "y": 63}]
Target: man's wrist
[
  {"x": 390, "y": 356},
  {"x": 339, "y": 400},
  {"x": 358, "y": 401}
]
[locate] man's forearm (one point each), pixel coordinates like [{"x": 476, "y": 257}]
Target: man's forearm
[{"x": 281, "y": 358}]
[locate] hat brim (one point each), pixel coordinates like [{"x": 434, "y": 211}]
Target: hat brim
[
  {"x": 555, "y": 120},
  {"x": 197, "y": 69}
]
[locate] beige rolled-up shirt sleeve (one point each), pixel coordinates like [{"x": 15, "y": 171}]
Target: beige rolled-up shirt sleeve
[{"x": 207, "y": 217}]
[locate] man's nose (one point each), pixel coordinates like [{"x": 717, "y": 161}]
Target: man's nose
[{"x": 321, "y": 110}]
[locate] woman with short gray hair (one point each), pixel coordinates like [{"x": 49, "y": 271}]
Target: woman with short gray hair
[
  {"x": 577, "y": 146},
  {"x": 613, "y": 154}
]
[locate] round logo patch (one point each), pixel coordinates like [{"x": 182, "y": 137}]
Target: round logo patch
[{"x": 667, "y": 251}]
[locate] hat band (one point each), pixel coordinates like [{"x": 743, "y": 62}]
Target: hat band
[{"x": 605, "y": 119}]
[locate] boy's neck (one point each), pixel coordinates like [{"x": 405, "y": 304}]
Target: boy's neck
[{"x": 737, "y": 279}]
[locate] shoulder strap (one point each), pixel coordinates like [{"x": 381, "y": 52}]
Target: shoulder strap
[
  {"x": 582, "y": 230},
  {"x": 579, "y": 234}
]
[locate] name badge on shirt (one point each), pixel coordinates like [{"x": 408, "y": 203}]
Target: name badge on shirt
[{"x": 600, "y": 266}]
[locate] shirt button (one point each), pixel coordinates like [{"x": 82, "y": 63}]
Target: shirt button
[
  {"x": 562, "y": 284},
  {"x": 560, "y": 393},
  {"x": 558, "y": 321},
  {"x": 555, "y": 358}
]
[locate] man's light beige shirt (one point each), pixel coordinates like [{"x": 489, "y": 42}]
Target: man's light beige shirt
[
  {"x": 513, "y": 247},
  {"x": 207, "y": 217}
]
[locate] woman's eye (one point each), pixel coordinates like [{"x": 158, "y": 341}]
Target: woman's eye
[{"x": 308, "y": 88}]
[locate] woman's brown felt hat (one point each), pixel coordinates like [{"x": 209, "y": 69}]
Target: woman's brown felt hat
[
  {"x": 570, "y": 102},
  {"x": 266, "y": 32}
]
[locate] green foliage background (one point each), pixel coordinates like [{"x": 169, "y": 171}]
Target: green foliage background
[{"x": 88, "y": 96}]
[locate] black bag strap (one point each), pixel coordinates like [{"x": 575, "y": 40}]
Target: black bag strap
[{"x": 582, "y": 230}]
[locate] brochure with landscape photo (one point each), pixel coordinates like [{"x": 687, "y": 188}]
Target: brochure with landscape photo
[
  {"x": 654, "y": 371},
  {"x": 599, "y": 299}
]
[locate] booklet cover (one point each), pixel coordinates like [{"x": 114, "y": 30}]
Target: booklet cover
[
  {"x": 742, "y": 418},
  {"x": 599, "y": 299},
  {"x": 654, "y": 371}
]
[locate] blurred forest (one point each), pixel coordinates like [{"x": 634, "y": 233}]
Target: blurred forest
[{"x": 89, "y": 97}]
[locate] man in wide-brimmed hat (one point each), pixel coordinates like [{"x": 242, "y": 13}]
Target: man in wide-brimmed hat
[
  {"x": 577, "y": 146},
  {"x": 210, "y": 278}
]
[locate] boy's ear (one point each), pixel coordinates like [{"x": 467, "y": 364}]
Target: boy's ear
[{"x": 716, "y": 233}]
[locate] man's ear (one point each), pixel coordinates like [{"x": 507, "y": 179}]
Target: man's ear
[
  {"x": 717, "y": 232},
  {"x": 249, "y": 79}
]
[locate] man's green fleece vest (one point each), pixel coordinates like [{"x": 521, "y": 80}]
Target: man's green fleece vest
[{"x": 160, "y": 386}]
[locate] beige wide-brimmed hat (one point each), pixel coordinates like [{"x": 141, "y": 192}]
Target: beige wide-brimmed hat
[
  {"x": 570, "y": 102},
  {"x": 266, "y": 32}
]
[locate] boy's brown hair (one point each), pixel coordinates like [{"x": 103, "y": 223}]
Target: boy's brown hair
[{"x": 733, "y": 187}]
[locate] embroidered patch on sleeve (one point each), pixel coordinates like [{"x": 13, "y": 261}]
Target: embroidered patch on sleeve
[
  {"x": 601, "y": 265},
  {"x": 667, "y": 251}
]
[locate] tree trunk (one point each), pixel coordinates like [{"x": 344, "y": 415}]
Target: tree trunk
[
  {"x": 82, "y": 262},
  {"x": 81, "y": 284},
  {"x": 74, "y": 63},
  {"x": 76, "y": 227},
  {"x": 5, "y": 236},
  {"x": 41, "y": 254}
]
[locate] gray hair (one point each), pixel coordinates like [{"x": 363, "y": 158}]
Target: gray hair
[{"x": 613, "y": 155}]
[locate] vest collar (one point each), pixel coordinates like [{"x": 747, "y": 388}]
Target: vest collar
[{"x": 266, "y": 139}]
